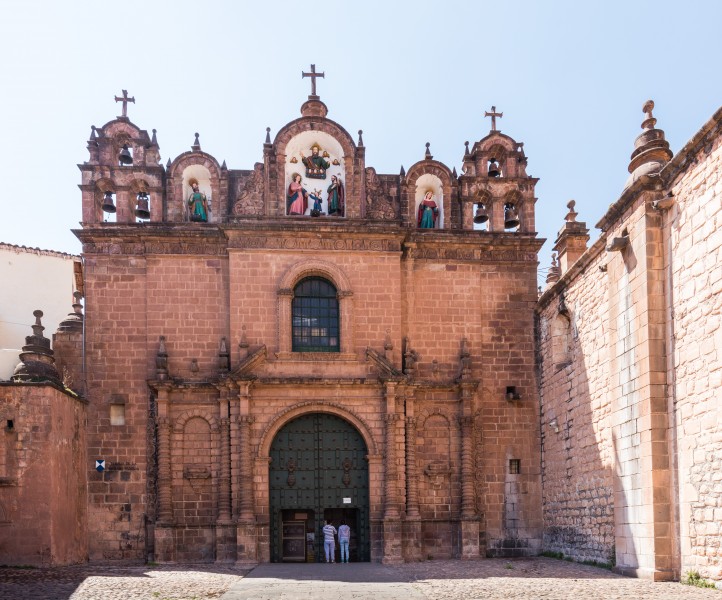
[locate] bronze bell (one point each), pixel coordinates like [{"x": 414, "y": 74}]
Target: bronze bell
[
  {"x": 511, "y": 216},
  {"x": 125, "y": 156},
  {"x": 108, "y": 204},
  {"x": 493, "y": 168},
  {"x": 482, "y": 215},
  {"x": 141, "y": 209}
]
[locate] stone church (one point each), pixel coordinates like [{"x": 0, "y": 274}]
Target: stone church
[{"x": 262, "y": 349}]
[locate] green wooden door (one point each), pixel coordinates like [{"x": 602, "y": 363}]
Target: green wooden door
[{"x": 319, "y": 470}]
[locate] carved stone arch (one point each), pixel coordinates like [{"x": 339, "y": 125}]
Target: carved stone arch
[
  {"x": 297, "y": 410},
  {"x": 338, "y": 278},
  {"x": 214, "y": 185},
  {"x": 308, "y": 268},
  {"x": 183, "y": 418},
  {"x": 411, "y": 195},
  {"x": 424, "y": 415},
  {"x": 351, "y": 173}
]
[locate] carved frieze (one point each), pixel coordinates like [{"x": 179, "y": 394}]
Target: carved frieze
[
  {"x": 474, "y": 254},
  {"x": 139, "y": 248},
  {"x": 296, "y": 243}
]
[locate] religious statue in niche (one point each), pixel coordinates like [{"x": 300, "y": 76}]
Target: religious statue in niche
[
  {"x": 198, "y": 204},
  {"x": 428, "y": 212},
  {"x": 297, "y": 196},
  {"x": 316, "y": 164},
  {"x": 317, "y": 209},
  {"x": 336, "y": 197}
]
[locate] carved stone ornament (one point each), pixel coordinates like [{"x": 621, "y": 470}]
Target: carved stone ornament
[
  {"x": 291, "y": 466},
  {"x": 437, "y": 471},
  {"x": 346, "y": 464}
]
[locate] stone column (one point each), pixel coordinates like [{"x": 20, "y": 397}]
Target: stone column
[
  {"x": 246, "y": 539},
  {"x": 392, "y": 517},
  {"x": 225, "y": 534},
  {"x": 412, "y": 524},
  {"x": 469, "y": 518},
  {"x": 164, "y": 543}
]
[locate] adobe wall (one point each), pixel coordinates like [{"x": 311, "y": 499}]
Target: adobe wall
[
  {"x": 43, "y": 459},
  {"x": 693, "y": 253}
]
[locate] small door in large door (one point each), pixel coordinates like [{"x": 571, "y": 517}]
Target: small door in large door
[{"x": 318, "y": 462}]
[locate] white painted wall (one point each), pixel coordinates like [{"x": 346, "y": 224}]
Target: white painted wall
[{"x": 31, "y": 279}]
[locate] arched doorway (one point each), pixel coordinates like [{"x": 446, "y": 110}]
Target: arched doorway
[{"x": 318, "y": 471}]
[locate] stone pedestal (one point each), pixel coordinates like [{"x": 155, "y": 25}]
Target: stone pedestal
[
  {"x": 469, "y": 539},
  {"x": 164, "y": 543},
  {"x": 393, "y": 547},
  {"x": 225, "y": 542},
  {"x": 412, "y": 540},
  {"x": 246, "y": 544}
]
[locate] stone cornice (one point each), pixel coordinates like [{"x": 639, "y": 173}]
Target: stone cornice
[{"x": 701, "y": 140}]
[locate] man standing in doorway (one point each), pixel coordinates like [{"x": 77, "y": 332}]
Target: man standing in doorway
[
  {"x": 344, "y": 535},
  {"x": 329, "y": 542}
]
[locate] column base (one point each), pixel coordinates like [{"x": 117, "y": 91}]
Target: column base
[
  {"x": 470, "y": 539},
  {"x": 164, "y": 538},
  {"x": 412, "y": 540},
  {"x": 246, "y": 544},
  {"x": 393, "y": 546},
  {"x": 225, "y": 542}
]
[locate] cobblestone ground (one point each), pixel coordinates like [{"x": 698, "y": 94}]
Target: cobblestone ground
[{"x": 528, "y": 579}]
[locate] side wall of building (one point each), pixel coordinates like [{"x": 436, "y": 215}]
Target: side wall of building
[
  {"x": 693, "y": 245},
  {"x": 43, "y": 502}
]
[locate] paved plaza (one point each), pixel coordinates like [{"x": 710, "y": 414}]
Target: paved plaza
[{"x": 528, "y": 579}]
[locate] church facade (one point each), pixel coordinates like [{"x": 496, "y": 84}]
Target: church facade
[{"x": 306, "y": 340}]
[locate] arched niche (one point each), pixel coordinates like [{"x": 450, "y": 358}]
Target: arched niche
[
  {"x": 202, "y": 175},
  {"x": 425, "y": 183},
  {"x": 102, "y": 186},
  {"x": 330, "y": 149}
]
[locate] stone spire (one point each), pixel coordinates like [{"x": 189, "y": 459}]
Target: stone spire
[
  {"x": 651, "y": 150},
  {"x": 74, "y": 321},
  {"x": 571, "y": 241},
  {"x": 37, "y": 362}
]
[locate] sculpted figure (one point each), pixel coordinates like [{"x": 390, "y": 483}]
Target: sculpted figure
[
  {"x": 198, "y": 204},
  {"x": 336, "y": 197},
  {"x": 297, "y": 197},
  {"x": 428, "y": 212},
  {"x": 316, "y": 164}
]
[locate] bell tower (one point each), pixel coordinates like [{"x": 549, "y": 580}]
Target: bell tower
[
  {"x": 122, "y": 180},
  {"x": 497, "y": 195}
]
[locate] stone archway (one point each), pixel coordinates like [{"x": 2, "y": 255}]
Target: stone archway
[{"x": 318, "y": 470}]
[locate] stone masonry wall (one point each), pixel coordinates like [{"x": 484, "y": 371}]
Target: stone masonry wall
[
  {"x": 43, "y": 500},
  {"x": 577, "y": 451},
  {"x": 693, "y": 244}
]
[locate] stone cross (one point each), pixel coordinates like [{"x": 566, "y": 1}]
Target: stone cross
[
  {"x": 493, "y": 114},
  {"x": 313, "y": 76},
  {"x": 124, "y": 99}
]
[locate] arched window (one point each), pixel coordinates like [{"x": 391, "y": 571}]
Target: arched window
[{"x": 314, "y": 314}]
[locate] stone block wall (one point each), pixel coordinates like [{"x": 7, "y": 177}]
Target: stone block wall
[
  {"x": 43, "y": 462},
  {"x": 693, "y": 245},
  {"x": 577, "y": 449}
]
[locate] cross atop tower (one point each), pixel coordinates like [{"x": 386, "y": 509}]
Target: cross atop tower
[
  {"x": 313, "y": 76},
  {"x": 493, "y": 114},
  {"x": 124, "y": 99}
]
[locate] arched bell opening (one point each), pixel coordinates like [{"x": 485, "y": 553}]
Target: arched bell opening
[
  {"x": 512, "y": 203},
  {"x": 318, "y": 470},
  {"x": 105, "y": 202},
  {"x": 482, "y": 213},
  {"x": 142, "y": 201},
  {"x": 124, "y": 151}
]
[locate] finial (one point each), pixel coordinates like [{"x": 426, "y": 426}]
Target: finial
[
  {"x": 224, "y": 357},
  {"x": 268, "y": 135},
  {"x": 402, "y": 173},
  {"x": 360, "y": 138},
  {"x": 453, "y": 172},
  {"x": 243, "y": 344},
  {"x": 36, "y": 359},
  {"x": 428, "y": 152},
  {"x": 167, "y": 165},
  {"x": 493, "y": 114},
  {"x": 161, "y": 360},
  {"x": 650, "y": 121},
  {"x": 125, "y": 99},
  {"x": 93, "y": 135},
  {"x": 554, "y": 271},
  {"x": 313, "y": 75},
  {"x": 154, "y": 139},
  {"x": 196, "y": 144},
  {"x": 466, "y": 150},
  {"x": 572, "y": 214},
  {"x": 224, "y": 167}
]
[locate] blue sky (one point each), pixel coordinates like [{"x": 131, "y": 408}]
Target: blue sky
[{"x": 570, "y": 78}]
